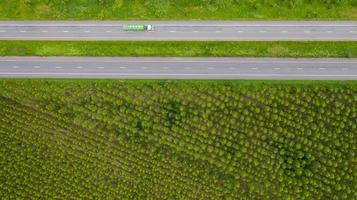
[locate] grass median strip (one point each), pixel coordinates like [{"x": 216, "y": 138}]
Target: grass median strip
[
  {"x": 184, "y": 9},
  {"x": 178, "y": 48}
]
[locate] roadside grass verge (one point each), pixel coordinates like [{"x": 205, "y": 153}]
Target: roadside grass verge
[
  {"x": 183, "y": 9},
  {"x": 178, "y": 48}
]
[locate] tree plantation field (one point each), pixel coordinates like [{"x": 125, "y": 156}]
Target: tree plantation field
[
  {"x": 114, "y": 139},
  {"x": 178, "y": 9}
]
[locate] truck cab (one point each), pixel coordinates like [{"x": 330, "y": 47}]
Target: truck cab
[{"x": 149, "y": 27}]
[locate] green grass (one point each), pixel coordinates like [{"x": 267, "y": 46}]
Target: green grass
[
  {"x": 115, "y": 139},
  {"x": 183, "y": 9},
  {"x": 134, "y": 48}
]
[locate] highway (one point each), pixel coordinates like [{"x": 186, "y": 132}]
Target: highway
[
  {"x": 179, "y": 68},
  {"x": 180, "y": 30}
]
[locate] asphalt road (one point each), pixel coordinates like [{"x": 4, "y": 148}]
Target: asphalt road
[
  {"x": 179, "y": 68},
  {"x": 176, "y": 30}
]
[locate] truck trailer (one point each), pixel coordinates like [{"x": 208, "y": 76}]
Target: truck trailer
[{"x": 138, "y": 27}]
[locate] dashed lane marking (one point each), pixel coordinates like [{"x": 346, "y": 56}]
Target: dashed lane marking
[{"x": 234, "y": 75}]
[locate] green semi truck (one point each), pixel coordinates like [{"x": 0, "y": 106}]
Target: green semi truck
[{"x": 138, "y": 27}]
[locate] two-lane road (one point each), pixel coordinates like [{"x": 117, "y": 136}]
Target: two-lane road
[
  {"x": 179, "y": 68},
  {"x": 179, "y": 30}
]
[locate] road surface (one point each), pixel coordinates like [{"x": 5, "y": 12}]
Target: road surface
[
  {"x": 179, "y": 68},
  {"x": 179, "y": 30}
]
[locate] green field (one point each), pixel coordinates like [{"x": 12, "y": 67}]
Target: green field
[
  {"x": 182, "y": 9},
  {"x": 166, "y": 48},
  {"x": 113, "y": 139}
]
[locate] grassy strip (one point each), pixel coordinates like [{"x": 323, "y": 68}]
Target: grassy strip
[
  {"x": 184, "y": 9},
  {"x": 131, "y": 48}
]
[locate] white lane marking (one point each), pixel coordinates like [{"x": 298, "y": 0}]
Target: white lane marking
[
  {"x": 352, "y": 31},
  {"x": 203, "y": 75},
  {"x": 322, "y": 68},
  {"x": 58, "y": 67},
  {"x": 300, "y": 68},
  {"x": 65, "y": 31},
  {"x": 99, "y": 67},
  {"x": 36, "y": 67},
  {"x": 329, "y": 31},
  {"x": 254, "y": 68},
  {"x": 79, "y": 67},
  {"x": 108, "y": 31},
  {"x": 262, "y": 31},
  {"x": 91, "y": 38},
  {"x": 196, "y": 31},
  {"x": 345, "y": 68},
  {"x": 172, "y": 31},
  {"x": 122, "y": 67},
  {"x": 284, "y": 31},
  {"x": 276, "y": 68},
  {"x": 23, "y": 31},
  {"x": 1, "y": 31},
  {"x": 240, "y": 31},
  {"x": 44, "y": 31},
  {"x": 307, "y": 31},
  {"x": 218, "y": 31},
  {"x": 87, "y": 31},
  {"x": 255, "y": 24},
  {"x": 15, "y": 67}
]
